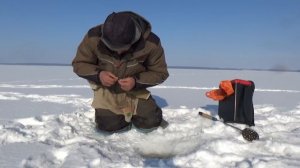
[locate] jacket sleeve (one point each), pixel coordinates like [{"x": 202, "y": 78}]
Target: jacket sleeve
[
  {"x": 156, "y": 69},
  {"x": 85, "y": 63}
]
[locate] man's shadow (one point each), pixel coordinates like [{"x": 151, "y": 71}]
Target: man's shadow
[{"x": 161, "y": 102}]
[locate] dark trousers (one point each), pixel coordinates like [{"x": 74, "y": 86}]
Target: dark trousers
[{"x": 149, "y": 115}]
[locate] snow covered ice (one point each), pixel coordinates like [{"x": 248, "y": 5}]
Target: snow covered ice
[{"x": 46, "y": 121}]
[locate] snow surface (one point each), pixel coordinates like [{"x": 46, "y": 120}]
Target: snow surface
[{"x": 46, "y": 121}]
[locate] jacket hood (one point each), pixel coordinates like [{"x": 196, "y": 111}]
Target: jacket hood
[
  {"x": 143, "y": 23},
  {"x": 145, "y": 33}
]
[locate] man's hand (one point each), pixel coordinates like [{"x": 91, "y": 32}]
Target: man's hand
[
  {"x": 127, "y": 83},
  {"x": 107, "y": 78}
]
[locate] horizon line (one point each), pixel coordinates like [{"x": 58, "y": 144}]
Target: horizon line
[{"x": 171, "y": 67}]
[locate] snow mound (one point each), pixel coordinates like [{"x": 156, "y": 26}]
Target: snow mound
[{"x": 189, "y": 140}]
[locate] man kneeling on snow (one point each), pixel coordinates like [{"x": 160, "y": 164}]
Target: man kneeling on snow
[{"x": 120, "y": 59}]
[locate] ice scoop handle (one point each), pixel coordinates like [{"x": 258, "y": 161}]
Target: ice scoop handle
[{"x": 208, "y": 116}]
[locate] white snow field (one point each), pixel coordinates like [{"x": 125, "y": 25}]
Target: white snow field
[{"x": 46, "y": 121}]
